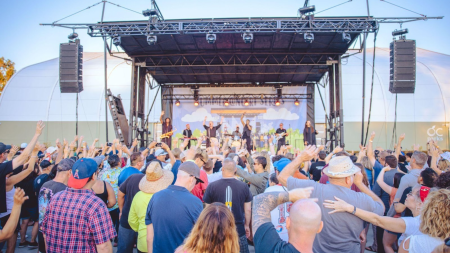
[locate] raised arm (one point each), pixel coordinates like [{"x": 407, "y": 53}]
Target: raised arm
[
  {"x": 242, "y": 119},
  {"x": 161, "y": 117},
  {"x": 381, "y": 183},
  {"x": 434, "y": 152},
  {"x": 264, "y": 203},
  {"x": 221, "y": 120},
  {"x": 307, "y": 154},
  {"x": 60, "y": 151},
  {"x": 330, "y": 155},
  {"x": 167, "y": 149},
  {"x": 398, "y": 149},
  {"x": 12, "y": 180},
  {"x": 370, "y": 153},
  {"x": 388, "y": 223},
  {"x": 22, "y": 158},
  {"x": 361, "y": 154},
  {"x": 204, "y": 121},
  {"x": 12, "y": 152}
]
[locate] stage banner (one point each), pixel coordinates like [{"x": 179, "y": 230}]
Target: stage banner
[{"x": 264, "y": 116}]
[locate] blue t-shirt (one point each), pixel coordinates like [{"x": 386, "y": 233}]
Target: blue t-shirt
[
  {"x": 369, "y": 177},
  {"x": 173, "y": 212},
  {"x": 127, "y": 172},
  {"x": 175, "y": 167}
]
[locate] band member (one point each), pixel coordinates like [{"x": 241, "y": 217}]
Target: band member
[
  {"x": 166, "y": 127},
  {"x": 237, "y": 133},
  {"x": 309, "y": 134},
  {"x": 187, "y": 133},
  {"x": 247, "y": 133},
  {"x": 211, "y": 131},
  {"x": 281, "y": 132}
]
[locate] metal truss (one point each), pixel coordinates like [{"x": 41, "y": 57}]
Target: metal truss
[
  {"x": 330, "y": 25},
  {"x": 404, "y": 19},
  {"x": 223, "y": 97},
  {"x": 235, "y": 60}
]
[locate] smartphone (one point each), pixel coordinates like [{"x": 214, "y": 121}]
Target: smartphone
[
  {"x": 109, "y": 144},
  {"x": 158, "y": 144}
]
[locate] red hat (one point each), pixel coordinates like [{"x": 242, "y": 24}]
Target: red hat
[{"x": 424, "y": 190}]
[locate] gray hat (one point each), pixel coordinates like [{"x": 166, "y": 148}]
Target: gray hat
[
  {"x": 160, "y": 152},
  {"x": 99, "y": 159},
  {"x": 192, "y": 169},
  {"x": 65, "y": 164}
]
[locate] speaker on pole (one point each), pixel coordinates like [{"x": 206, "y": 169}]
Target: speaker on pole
[
  {"x": 403, "y": 66},
  {"x": 71, "y": 67}
]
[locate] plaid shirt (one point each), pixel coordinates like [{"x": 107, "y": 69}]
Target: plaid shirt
[{"x": 76, "y": 221}]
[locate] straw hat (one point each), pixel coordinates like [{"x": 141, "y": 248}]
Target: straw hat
[
  {"x": 155, "y": 179},
  {"x": 340, "y": 166}
]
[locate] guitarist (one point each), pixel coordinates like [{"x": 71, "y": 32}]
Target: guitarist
[
  {"x": 281, "y": 133},
  {"x": 211, "y": 131},
  {"x": 187, "y": 133},
  {"x": 166, "y": 128}
]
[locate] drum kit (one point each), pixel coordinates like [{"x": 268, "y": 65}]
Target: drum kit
[{"x": 234, "y": 141}]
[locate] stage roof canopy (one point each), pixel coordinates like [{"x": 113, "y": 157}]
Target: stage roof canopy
[{"x": 278, "y": 52}]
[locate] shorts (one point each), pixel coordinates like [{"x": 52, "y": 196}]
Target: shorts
[
  {"x": 31, "y": 213},
  {"x": 3, "y": 221},
  {"x": 394, "y": 233}
]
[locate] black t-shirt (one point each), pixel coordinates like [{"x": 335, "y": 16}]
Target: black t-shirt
[
  {"x": 5, "y": 169},
  {"x": 233, "y": 193},
  {"x": 187, "y": 133},
  {"x": 130, "y": 187},
  {"x": 316, "y": 170},
  {"x": 403, "y": 167},
  {"x": 211, "y": 132},
  {"x": 407, "y": 212},
  {"x": 267, "y": 240},
  {"x": 39, "y": 181},
  {"x": 27, "y": 184},
  {"x": 217, "y": 166},
  {"x": 280, "y": 131},
  {"x": 247, "y": 132}
]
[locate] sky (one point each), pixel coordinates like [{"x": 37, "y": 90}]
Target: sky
[{"x": 25, "y": 42}]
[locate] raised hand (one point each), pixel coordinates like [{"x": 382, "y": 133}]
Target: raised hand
[
  {"x": 35, "y": 149},
  {"x": 372, "y": 136},
  {"x": 58, "y": 144},
  {"x": 162, "y": 113},
  {"x": 65, "y": 143},
  {"x": 337, "y": 149},
  {"x": 358, "y": 179},
  {"x": 135, "y": 142},
  {"x": 164, "y": 146},
  {"x": 39, "y": 127},
  {"x": 308, "y": 153},
  {"x": 19, "y": 196},
  {"x": 416, "y": 147},
  {"x": 300, "y": 193},
  {"x": 434, "y": 151},
  {"x": 402, "y": 137}
]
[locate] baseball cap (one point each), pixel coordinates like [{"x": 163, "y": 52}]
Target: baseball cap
[
  {"x": 160, "y": 152},
  {"x": 280, "y": 164},
  {"x": 65, "y": 164},
  {"x": 183, "y": 154},
  {"x": 99, "y": 159},
  {"x": 50, "y": 150},
  {"x": 82, "y": 170},
  {"x": 192, "y": 169},
  {"x": 23, "y": 145},
  {"x": 4, "y": 147},
  {"x": 45, "y": 163}
]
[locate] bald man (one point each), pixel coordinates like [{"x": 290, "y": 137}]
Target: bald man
[{"x": 304, "y": 222}]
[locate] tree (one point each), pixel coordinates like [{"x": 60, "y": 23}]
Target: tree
[{"x": 6, "y": 72}]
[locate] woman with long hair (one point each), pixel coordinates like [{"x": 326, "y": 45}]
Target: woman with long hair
[
  {"x": 309, "y": 134},
  {"x": 166, "y": 128},
  {"x": 368, "y": 168},
  {"x": 214, "y": 231}
]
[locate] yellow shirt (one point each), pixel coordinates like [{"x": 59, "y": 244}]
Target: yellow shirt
[{"x": 136, "y": 218}]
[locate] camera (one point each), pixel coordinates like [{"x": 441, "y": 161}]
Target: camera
[{"x": 158, "y": 144}]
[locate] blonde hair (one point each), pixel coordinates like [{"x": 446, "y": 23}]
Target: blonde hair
[
  {"x": 435, "y": 215},
  {"x": 366, "y": 163},
  {"x": 443, "y": 165},
  {"x": 214, "y": 231}
]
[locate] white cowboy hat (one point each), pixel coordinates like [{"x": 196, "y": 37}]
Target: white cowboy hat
[
  {"x": 156, "y": 179},
  {"x": 340, "y": 166}
]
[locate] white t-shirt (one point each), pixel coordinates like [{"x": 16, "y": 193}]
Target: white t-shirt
[
  {"x": 214, "y": 177},
  {"x": 412, "y": 227},
  {"x": 9, "y": 202},
  {"x": 422, "y": 243},
  {"x": 280, "y": 213}
]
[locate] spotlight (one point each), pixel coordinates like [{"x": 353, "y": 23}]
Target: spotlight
[
  {"x": 297, "y": 102},
  {"x": 307, "y": 10},
  {"x": 72, "y": 36},
  {"x": 177, "y": 103},
  {"x": 151, "y": 39},
  {"x": 116, "y": 40},
  {"x": 277, "y": 102},
  {"x": 226, "y": 103},
  {"x": 211, "y": 38},
  {"x": 309, "y": 37},
  {"x": 148, "y": 13},
  {"x": 247, "y": 37},
  {"x": 346, "y": 37},
  {"x": 196, "y": 102},
  {"x": 400, "y": 32},
  {"x": 246, "y": 103}
]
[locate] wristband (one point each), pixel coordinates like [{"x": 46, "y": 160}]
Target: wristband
[{"x": 354, "y": 210}]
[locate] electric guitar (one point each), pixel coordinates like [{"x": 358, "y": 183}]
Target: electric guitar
[{"x": 279, "y": 136}]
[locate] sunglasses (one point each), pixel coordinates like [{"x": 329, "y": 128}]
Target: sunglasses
[{"x": 196, "y": 180}]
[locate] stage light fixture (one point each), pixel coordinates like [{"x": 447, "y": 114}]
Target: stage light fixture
[
  {"x": 196, "y": 103},
  {"x": 247, "y": 37},
  {"x": 177, "y": 103},
  {"x": 226, "y": 103},
  {"x": 400, "y": 32},
  {"x": 277, "y": 102},
  {"x": 346, "y": 37},
  {"x": 152, "y": 39},
  {"x": 72, "y": 36},
  {"x": 246, "y": 103},
  {"x": 211, "y": 38},
  {"x": 297, "y": 102},
  {"x": 307, "y": 10},
  {"x": 148, "y": 13},
  {"x": 116, "y": 40},
  {"x": 309, "y": 37}
]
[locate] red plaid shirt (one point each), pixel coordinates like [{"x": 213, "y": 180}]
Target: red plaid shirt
[{"x": 75, "y": 221}]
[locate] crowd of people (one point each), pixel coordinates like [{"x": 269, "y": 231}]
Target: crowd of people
[{"x": 81, "y": 198}]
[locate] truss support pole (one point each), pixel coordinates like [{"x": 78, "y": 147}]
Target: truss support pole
[
  {"x": 363, "y": 89},
  {"x": 133, "y": 101},
  {"x": 106, "y": 77},
  {"x": 340, "y": 106}
]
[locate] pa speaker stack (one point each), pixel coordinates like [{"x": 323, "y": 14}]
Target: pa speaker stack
[
  {"x": 71, "y": 67},
  {"x": 403, "y": 66}
]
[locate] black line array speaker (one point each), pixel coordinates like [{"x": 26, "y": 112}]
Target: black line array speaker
[
  {"x": 403, "y": 66},
  {"x": 71, "y": 67}
]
